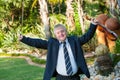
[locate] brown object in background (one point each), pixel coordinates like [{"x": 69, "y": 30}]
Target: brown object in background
[
  {"x": 101, "y": 19},
  {"x": 103, "y": 36},
  {"x": 112, "y": 24}
]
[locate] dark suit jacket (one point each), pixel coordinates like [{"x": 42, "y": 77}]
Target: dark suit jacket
[{"x": 52, "y": 45}]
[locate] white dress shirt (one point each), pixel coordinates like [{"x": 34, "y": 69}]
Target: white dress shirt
[{"x": 61, "y": 68}]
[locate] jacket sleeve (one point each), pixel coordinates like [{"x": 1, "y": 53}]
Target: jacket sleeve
[
  {"x": 34, "y": 42},
  {"x": 88, "y": 35}
]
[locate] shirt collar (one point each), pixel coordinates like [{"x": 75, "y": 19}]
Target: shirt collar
[{"x": 66, "y": 40}]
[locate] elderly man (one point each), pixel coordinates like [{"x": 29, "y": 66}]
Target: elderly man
[{"x": 65, "y": 59}]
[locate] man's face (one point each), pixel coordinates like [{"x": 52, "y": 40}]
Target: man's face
[{"x": 60, "y": 33}]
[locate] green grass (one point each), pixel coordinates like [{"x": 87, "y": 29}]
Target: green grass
[
  {"x": 33, "y": 58},
  {"x": 19, "y": 69}
]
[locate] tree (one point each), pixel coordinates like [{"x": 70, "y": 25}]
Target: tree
[
  {"x": 70, "y": 15},
  {"x": 80, "y": 13},
  {"x": 53, "y": 4},
  {"x": 114, "y": 6},
  {"x": 45, "y": 17},
  {"x": 13, "y": 11}
]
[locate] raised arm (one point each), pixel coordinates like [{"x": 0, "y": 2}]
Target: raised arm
[
  {"x": 90, "y": 33},
  {"x": 34, "y": 42}
]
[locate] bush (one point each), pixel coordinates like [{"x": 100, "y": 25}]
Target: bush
[{"x": 117, "y": 46}]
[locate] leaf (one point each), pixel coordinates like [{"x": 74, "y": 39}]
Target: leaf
[{"x": 34, "y": 3}]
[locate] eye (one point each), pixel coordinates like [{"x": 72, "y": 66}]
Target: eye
[
  {"x": 62, "y": 31},
  {"x": 58, "y": 33}
]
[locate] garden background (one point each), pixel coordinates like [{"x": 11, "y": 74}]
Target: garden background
[{"x": 36, "y": 18}]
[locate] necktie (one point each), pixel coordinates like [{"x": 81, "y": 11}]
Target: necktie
[{"x": 67, "y": 60}]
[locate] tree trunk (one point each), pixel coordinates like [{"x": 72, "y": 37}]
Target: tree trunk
[
  {"x": 113, "y": 8},
  {"x": 52, "y": 8},
  {"x": 44, "y": 17},
  {"x": 70, "y": 15},
  {"x": 80, "y": 13}
]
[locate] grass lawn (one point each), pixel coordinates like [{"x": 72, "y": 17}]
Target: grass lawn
[{"x": 19, "y": 69}]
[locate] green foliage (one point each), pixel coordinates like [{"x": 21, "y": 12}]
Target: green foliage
[
  {"x": 57, "y": 18},
  {"x": 91, "y": 8},
  {"x": 117, "y": 46},
  {"x": 11, "y": 19},
  {"x": 11, "y": 27},
  {"x": 1, "y": 38},
  {"x": 13, "y": 8},
  {"x": 77, "y": 30},
  {"x": 116, "y": 58},
  {"x": 95, "y": 7},
  {"x": 54, "y": 2},
  {"x": 91, "y": 45},
  {"x": 56, "y": 6},
  {"x": 10, "y": 39}
]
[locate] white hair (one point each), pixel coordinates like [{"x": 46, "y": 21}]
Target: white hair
[{"x": 59, "y": 25}]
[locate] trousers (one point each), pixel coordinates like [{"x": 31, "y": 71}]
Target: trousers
[{"x": 61, "y": 77}]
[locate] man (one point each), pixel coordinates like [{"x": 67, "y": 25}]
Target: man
[{"x": 65, "y": 59}]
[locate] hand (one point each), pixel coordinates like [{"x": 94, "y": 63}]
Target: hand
[
  {"x": 20, "y": 37},
  {"x": 94, "y": 21}
]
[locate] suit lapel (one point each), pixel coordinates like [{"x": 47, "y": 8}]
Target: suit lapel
[{"x": 56, "y": 49}]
